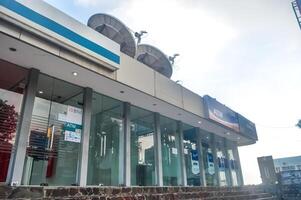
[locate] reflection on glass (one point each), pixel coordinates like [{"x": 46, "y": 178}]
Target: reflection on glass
[
  {"x": 232, "y": 167},
  {"x": 142, "y": 147},
  {"x": 170, "y": 151},
  {"x": 12, "y": 84},
  {"x": 222, "y": 162},
  {"x": 191, "y": 156},
  {"x": 104, "y": 151},
  {"x": 208, "y": 159},
  {"x": 55, "y": 134}
]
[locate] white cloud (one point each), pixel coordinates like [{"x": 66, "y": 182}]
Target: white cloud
[
  {"x": 176, "y": 27},
  {"x": 102, "y": 4}
]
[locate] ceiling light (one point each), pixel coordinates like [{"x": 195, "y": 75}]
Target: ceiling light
[
  {"x": 199, "y": 122},
  {"x": 207, "y": 137},
  {"x": 74, "y": 73},
  {"x": 12, "y": 49},
  {"x": 228, "y": 133},
  {"x": 238, "y": 138},
  {"x": 41, "y": 92}
]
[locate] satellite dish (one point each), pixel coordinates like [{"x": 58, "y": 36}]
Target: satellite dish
[
  {"x": 114, "y": 29},
  {"x": 154, "y": 58}
]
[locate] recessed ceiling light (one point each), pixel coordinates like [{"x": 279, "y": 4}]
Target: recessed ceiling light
[
  {"x": 207, "y": 137},
  {"x": 238, "y": 138},
  {"x": 12, "y": 49},
  {"x": 121, "y": 91},
  {"x": 41, "y": 92},
  {"x": 74, "y": 73},
  {"x": 199, "y": 122},
  {"x": 228, "y": 133}
]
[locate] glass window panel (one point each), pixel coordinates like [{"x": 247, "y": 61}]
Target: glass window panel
[
  {"x": 232, "y": 167},
  {"x": 170, "y": 151},
  {"x": 221, "y": 161},
  {"x": 142, "y": 147},
  {"x": 208, "y": 159},
  {"x": 53, "y": 146},
  {"x": 104, "y": 151},
  {"x": 191, "y": 155},
  {"x": 13, "y": 81}
]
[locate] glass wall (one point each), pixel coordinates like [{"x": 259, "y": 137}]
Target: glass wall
[
  {"x": 13, "y": 80},
  {"x": 222, "y": 162},
  {"x": 170, "y": 151},
  {"x": 53, "y": 147},
  {"x": 104, "y": 145},
  {"x": 191, "y": 155},
  {"x": 142, "y": 147},
  {"x": 208, "y": 159},
  {"x": 54, "y": 142}
]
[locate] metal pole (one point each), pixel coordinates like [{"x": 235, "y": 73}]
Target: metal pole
[
  {"x": 87, "y": 114},
  {"x": 24, "y": 129},
  {"x": 158, "y": 151}
]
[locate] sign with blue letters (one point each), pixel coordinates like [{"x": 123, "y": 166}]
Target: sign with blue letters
[{"x": 220, "y": 113}]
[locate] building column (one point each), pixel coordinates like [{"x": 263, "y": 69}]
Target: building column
[
  {"x": 236, "y": 156},
  {"x": 84, "y": 156},
  {"x": 200, "y": 152},
  {"x": 216, "y": 167},
  {"x": 228, "y": 171},
  {"x": 158, "y": 151},
  {"x": 16, "y": 169},
  {"x": 183, "y": 180},
  {"x": 127, "y": 144}
]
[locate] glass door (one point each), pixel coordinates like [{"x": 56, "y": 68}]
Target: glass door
[{"x": 53, "y": 146}]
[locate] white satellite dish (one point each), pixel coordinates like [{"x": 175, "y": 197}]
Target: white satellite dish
[
  {"x": 114, "y": 29},
  {"x": 154, "y": 58}
]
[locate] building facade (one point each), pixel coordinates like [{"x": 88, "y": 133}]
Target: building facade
[
  {"x": 287, "y": 163},
  {"x": 76, "y": 110},
  {"x": 286, "y": 171}
]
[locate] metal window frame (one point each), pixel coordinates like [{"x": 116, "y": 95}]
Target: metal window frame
[
  {"x": 158, "y": 151},
  {"x": 201, "y": 160},
  {"x": 236, "y": 156},
  {"x": 217, "y": 175},
  {"x": 127, "y": 145},
  {"x": 183, "y": 175},
  {"x": 84, "y": 154},
  {"x": 17, "y": 164}
]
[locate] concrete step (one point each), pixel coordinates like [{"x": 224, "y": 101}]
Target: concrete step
[
  {"x": 241, "y": 197},
  {"x": 133, "y": 193},
  {"x": 268, "y": 198}
]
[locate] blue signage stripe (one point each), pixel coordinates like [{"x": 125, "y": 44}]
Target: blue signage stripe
[{"x": 59, "y": 29}]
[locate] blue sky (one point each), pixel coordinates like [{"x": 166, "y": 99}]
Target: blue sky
[{"x": 244, "y": 53}]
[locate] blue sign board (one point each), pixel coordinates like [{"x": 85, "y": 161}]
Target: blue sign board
[
  {"x": 247, "y": 128},
  {"x": 220, "y": 113}
]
